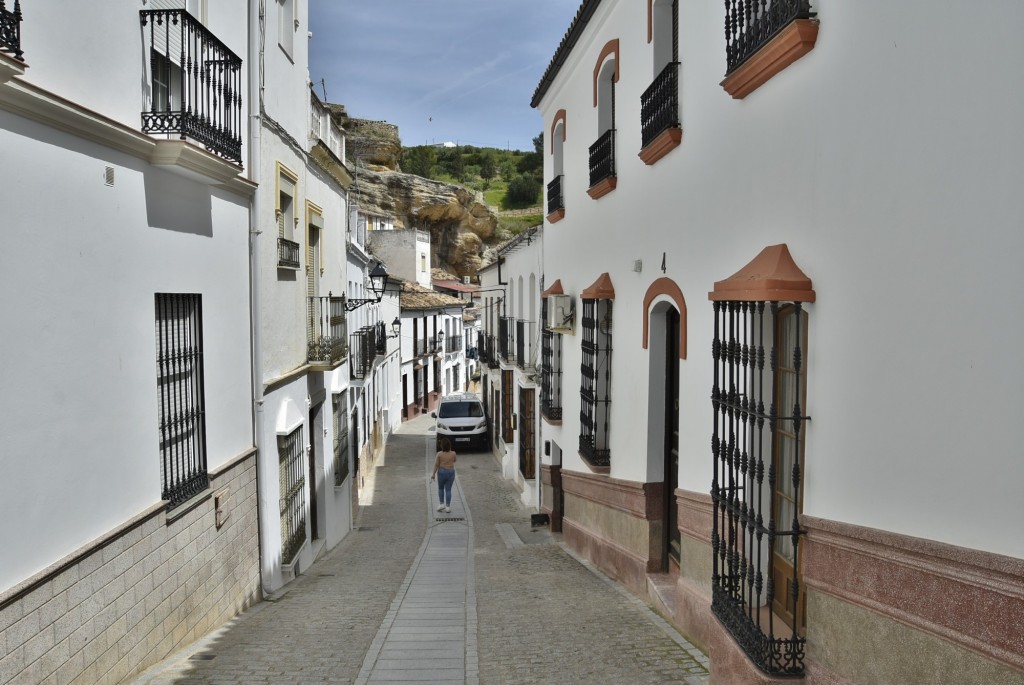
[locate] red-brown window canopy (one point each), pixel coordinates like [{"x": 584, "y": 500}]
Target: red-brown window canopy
[
  {"x": 555, "y": 289},
  {"x": 772, "y": 276},
  {"x": 601, "y": 289}
]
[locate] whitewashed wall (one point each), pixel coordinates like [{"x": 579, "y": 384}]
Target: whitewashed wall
[
  {"x": 78, "y": 417},
  {"x": 889, "y": 159}
]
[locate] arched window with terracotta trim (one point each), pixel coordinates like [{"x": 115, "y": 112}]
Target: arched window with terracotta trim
[
  {"x": 602, "y": 153},
  {"x": 660, "y": 127},
  {"x": 555, "y": 193}
]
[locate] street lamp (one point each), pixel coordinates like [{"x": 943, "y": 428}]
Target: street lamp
[
  {"x": 396, "y": 326},
  {"x": 378, "y": 284}
]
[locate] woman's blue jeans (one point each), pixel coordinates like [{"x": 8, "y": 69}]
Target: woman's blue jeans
[{"x": 445, "y": 478}]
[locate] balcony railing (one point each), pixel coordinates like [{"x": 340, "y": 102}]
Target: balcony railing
[
  {"x": 364, "y": 351},
  {"x": 491, "y": 352},
  {"x": 326, "y": 331},
  {"x": 659, "y": 105},
  {"x": 555, "y": 201},
  {"x": 524, "y": 343},
  {"x": 420, "y": 347},
  {"x": 602, "y": 158},
  {"x": 750, "y": 24},
  {"x": 507, "y": 338},
  {"x": 10, "y": 30},
  {"x": 196, "y": 83},
  {"x": 453, "y": 344},
  {"x": 382, "y": 338},
  {"x": 287, "y": 253}
]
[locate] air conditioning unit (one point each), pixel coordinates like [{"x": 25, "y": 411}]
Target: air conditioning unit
[{"x": 561, "y": 314}]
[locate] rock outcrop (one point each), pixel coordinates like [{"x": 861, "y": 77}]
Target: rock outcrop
[{"x": 459, "y": 223}]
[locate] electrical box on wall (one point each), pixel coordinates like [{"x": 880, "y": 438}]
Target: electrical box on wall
[{"x": 561, "y": 314}]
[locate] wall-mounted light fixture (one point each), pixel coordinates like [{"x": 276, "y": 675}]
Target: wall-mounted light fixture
[
  {"x": 396, "y": 326},
  {"x": 378, "y": 284}
]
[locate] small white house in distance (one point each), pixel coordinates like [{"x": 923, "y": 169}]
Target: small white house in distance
[
  {"x": 433, "y": 354},
  {"x": 407, "y": 252},
  {"x": 126, "y": 430},
  {"x": 790, "y": 399}
]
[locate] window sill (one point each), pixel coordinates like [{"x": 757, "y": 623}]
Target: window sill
[
  {"x": 666, "y": 141},
  {"x": 595, "y": 469},
  {"x": 792, "y": 43},
  {"x": 556, "y": 216},
  {"x": 602, "y": 188},
  {"x": 187, "y": 506}
]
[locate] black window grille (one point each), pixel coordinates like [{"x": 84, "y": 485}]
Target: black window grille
[
  {"x": 602, "y": 158},
  {"x": 340, "y": 409},
  {"x": 521, "y": 337},
  {"x": 293, "y": 494},
  {"x": 507, "y": 338},
  {"x": 659, "y": 105},
  {"x": 10, "y": 30},
  {"x": 507, "y": 379},
  {"x": 555, "y": 201},
  {"x": 287, "y": 253},
  {"x": 196, "y": 83},
  {"x": 750, "y": 24},
  {"x": 181, "y": 397},
  {"x": 595, "y": 384},
  {"x": 756, "y": 484},
  {"x": 551, "y": 371}
]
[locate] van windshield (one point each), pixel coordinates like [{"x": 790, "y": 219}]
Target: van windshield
[{"x": 456, "y": 410}]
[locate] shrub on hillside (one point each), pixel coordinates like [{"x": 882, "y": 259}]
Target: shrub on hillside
[{"x": 523, "y": 191}]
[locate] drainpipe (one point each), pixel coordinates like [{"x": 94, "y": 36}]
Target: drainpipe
[{"x": 256, "y": 17}]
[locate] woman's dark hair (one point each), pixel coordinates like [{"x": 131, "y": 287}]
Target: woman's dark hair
[{"x": 446, "y": 445}]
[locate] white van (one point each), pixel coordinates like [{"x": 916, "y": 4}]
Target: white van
[{"x": 461, "y": 419}]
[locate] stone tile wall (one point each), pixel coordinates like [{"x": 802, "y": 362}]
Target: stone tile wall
[{"x": 131, "y": 598}]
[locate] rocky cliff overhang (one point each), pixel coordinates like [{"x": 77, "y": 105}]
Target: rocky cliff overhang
[{"x": 459, "y": 222}]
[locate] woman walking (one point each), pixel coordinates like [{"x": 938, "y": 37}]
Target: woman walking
[{"x": 444, "y": 471}]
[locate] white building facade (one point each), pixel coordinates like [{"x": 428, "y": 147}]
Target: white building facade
[
  {"x": 513, "y": 327},
  {"x": 126, "y": 435},
  {"x": 759, "y": 368}
]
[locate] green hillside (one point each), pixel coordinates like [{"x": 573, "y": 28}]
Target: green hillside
[{"x": 509, "y": 179}]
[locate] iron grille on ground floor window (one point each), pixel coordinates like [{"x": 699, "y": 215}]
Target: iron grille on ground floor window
[
  {"x": 292, "y": 474},
  {"x": 595, "y": 385},
  {"x": 756, "y": 485},
  {"x": 551, "y": 371},
  {"x": 180, "y": 395},
  {"x": 340, "y": 411}
]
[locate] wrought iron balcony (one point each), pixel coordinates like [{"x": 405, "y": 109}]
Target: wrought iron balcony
[
  {"x": 491, "y": 352},
  {"x": 10, "y": 30},
  {"x": 507, "y": 338},
  {"x": 382, "y": 338},
  {"x": 195, "y": 83},
  {"x": 659, "y": 105},
  {"x": 522, "y": 340},
  {"x": 602, "y": 158},
  {"x": 420, "y": 347},
  {"x": 555, "y": 201},
  {"x": 364, "y": 351},
  {"x": 750, "y": 24},
  {"x": 287, "y": 253},
  {"x": 326, "y": 331},
  {"x": 453, "y": 344}
]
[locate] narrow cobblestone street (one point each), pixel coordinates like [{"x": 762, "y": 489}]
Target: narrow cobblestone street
[{"x": 413, "y": 595}]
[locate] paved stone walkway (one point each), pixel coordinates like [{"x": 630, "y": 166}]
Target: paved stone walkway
[{"x": 419, "y": 596}]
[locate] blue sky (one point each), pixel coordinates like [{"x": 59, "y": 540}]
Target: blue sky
[{"x": 442, "y": 70}]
